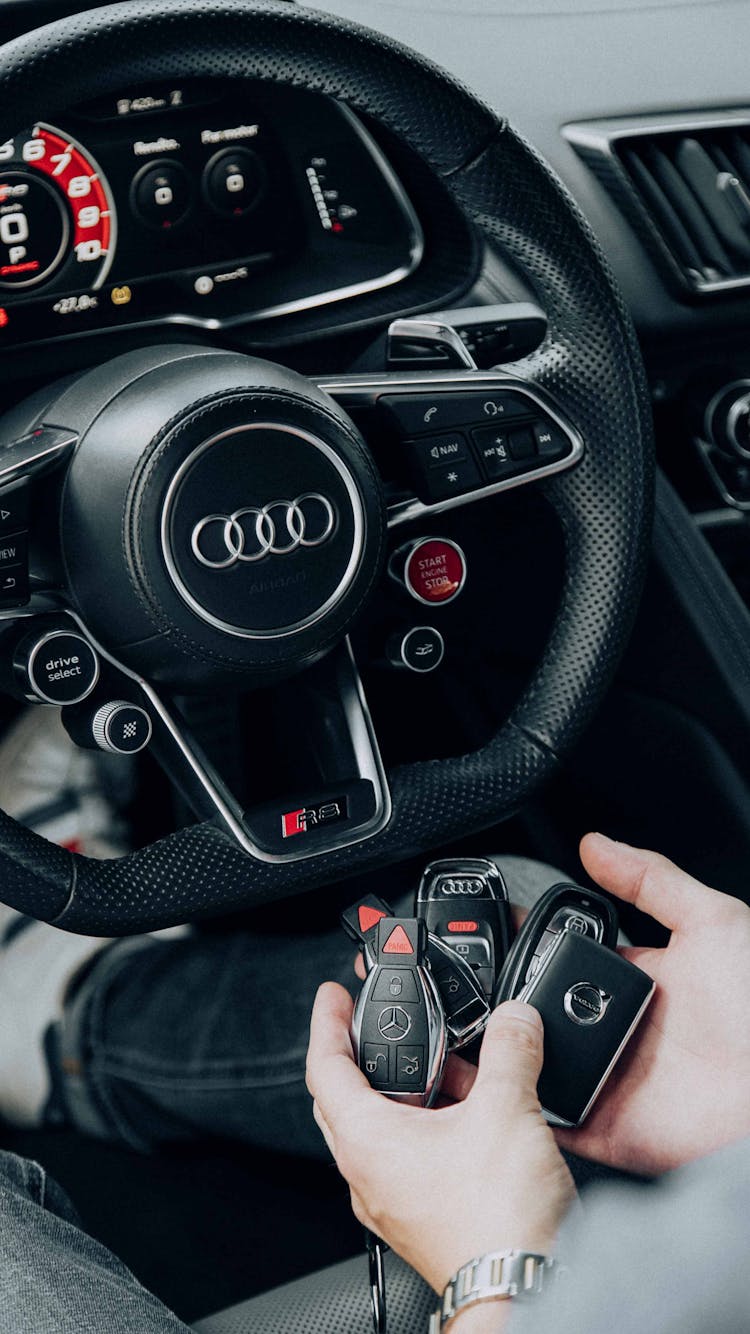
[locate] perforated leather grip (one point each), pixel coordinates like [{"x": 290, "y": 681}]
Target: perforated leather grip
[{"x": 589, "y": 361}]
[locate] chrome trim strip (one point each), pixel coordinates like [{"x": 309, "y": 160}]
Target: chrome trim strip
[
  {"x": 616, "y": 1057},
  {"x": 357, "y": 542},
  {"x": 344, "y": 388},
  {"x": 706, "y": 452},
  {"x": 359, "y": 721},
  {"x": 34, "y": 453}
]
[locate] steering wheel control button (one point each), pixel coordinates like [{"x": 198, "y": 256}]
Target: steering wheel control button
[
  {"x": 14, "y": 509},
  {"x": 433, "y": 570},
  {"x": 14, "y": 548},
  {"x": 233, "y": 181},
  {"x": 551, "y": 442},
  {"x": 437, "y": 451},
  {"x": 522, "y": 444},
  {"x": 161, "y": 193},
  {"x": 448, "y": 478},
  {"x": 420, "y": 649},
  {"x": 59, "y": 667},
  {"x": 416, "y": 414},
  {"x": 121, "y": 728}
]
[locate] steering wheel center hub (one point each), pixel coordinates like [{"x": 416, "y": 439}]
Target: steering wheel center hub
[
  {"x": 249, "y": 515},
  {"x": 262, "y": 530}
]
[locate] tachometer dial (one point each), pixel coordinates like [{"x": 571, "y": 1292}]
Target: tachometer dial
[{"x": 57, "y": 216}]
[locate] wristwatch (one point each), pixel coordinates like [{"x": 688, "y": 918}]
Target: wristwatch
[{"x": 496, "y": 1276}]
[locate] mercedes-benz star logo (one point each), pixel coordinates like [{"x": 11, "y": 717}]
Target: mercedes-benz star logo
[
  {"x": 278, "y": 529},
  {"x": 393, "y": 1023}
]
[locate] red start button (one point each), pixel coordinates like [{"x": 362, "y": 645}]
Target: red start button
[{"x": 435, "y": 570}]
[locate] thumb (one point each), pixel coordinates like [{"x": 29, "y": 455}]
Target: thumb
[{"x": 512, "y": 1052}]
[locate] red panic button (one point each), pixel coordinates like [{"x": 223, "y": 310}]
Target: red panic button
[
  {"x": 462, "y": 928},
  {"x": 435, "y": 571}
]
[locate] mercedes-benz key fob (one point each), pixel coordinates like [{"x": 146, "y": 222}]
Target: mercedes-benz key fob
[
  {"x": 564, "y": 907},
  {"x": 464, "y": 901},
  {"x": 591, "y": 1001},
  {"x": 398, "y": 1029},
  {"x": 464, "y": 1003}
]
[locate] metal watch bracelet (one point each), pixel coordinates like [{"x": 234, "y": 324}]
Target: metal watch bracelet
[{"x": 497, "y": 1276}]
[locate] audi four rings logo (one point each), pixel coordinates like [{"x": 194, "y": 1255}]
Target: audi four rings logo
[{"x": 251, "y": 534}]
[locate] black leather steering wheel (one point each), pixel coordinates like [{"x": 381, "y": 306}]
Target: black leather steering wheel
[{"x": 589, "y": 362}]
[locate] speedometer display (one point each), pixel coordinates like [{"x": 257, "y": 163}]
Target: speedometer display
[{"x": 57, "y": 216}]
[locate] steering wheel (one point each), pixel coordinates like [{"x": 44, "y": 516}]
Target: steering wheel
[{"x": 117, "y": 483}]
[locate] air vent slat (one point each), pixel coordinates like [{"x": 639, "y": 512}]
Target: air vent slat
[
  {"x": 704, "y": 178},
  {"x": 685, "y": 187},
  {"x": 711, "y": 257},
  {"x": 670, "y": 225}
]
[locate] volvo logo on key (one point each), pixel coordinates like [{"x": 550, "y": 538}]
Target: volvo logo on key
[
  {"x": 585, "y": 1004},
  {"x": 250, "y": 534}
]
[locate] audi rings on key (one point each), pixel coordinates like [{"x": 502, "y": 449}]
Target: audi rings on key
[{"x": 279, "y": 528}]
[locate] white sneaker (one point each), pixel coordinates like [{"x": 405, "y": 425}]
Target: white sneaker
[{"x": 50, "y": 785}]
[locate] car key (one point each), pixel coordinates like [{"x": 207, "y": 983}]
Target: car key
[
  {"x": 464, "y": 1003},
  {"x": 360, "y": 922},
  {"x": 564, "y": 907},
  {"x": 398, "y": 1028},
  {"x": 465, "y": 903},
  {"x": 591, "y": 1001}
]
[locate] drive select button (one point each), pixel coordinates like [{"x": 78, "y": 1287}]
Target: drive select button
[
  {"x": 435, "y": 571},
  {"x": 61, "y": 668}
]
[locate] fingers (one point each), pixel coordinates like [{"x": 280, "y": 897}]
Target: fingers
[
  {"x": 510, "y": 1061},
  {"x": 649, "y": 881},
  {"x": 332, "y": 1077},
  {"x": 458, "y": 1078},
  {"x": 359, "y": 967}
]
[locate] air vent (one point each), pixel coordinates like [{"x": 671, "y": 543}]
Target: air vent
[{"x": 686, "y": 189}]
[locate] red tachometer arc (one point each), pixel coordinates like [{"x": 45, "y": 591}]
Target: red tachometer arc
[{"x": 74, "y": 172}]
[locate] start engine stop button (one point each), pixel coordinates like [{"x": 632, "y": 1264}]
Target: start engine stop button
[{"x": 435, "y": 571}]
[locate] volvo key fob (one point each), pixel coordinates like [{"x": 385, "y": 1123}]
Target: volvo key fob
[
  {"x": 464, "y": 1003},
  {"x": 465, "y": 903},
  {"x": 591, "y": 1001},
  {"x": 564, "y": 907},
  {"x": 398, "y": 1029}
]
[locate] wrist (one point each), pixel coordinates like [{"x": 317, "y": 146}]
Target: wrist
[{"x": 485, "y": 1318}]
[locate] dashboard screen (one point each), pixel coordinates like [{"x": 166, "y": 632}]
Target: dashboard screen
[{"x": 205, "y": 205}]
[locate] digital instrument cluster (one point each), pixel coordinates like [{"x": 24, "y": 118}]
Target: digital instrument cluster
[{"x": 194, "y": 205}]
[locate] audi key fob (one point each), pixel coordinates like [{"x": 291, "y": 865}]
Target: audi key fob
[
  {"x": 398, "y": 1028},
  {"x": 564, "y": 907},
  {"x": 591, "y": 1001},
  {"x": 465, "y": 903},
  {"x": 464, "y": 1003}
]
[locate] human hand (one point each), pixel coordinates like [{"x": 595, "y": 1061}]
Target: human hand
[
  {"x": 445, "y": 1184},
  {"x": 682, "y": 1088}
]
